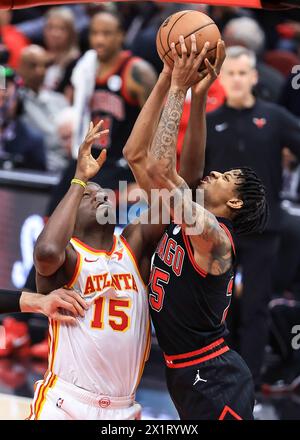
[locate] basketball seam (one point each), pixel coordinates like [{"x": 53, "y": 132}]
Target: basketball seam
[
  {"x": 166, "y": 54},
  {"x": 160, "y": 39},
  {"x": 196, "y": 30},
  {"x": 182, "y": 15}
]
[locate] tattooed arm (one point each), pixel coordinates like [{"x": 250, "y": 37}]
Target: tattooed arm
[
  {"x": 142, "y": 134},
  {"x": 195, "y": 137},
  {"x": 210, "y": 243},
  {"x": 140, "y": 81}
]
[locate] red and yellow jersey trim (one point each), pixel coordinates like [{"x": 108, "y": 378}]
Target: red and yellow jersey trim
[
  {"x": 85, "y": 247},
  {"x": 146, "y": 354},
  {"x": 77, "y": 271}
]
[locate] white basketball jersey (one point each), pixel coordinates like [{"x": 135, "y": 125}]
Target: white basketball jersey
[{"x": 106, "y": 352}]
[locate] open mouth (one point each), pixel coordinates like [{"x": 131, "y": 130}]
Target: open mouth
[
  {"x": 103, "y": 203},
  {"x": 205, "y": 179}
]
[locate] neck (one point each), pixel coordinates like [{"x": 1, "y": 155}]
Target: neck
[
  {"x": 219, "y": 211},
  {"x": 99, "y": 238},
  {"x": 35, "y": 89},
  {"x": 109, "y": 64},
  {"x": 245, "y": 102},
  {"x": 58, "y": 54}
]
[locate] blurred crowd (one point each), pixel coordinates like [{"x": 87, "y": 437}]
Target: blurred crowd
[{"x": 66, "y": 65}]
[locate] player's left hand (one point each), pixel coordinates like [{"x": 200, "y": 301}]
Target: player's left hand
[
  {"x": 210, "y": 74},
  {"x": 87, "y": 166}
]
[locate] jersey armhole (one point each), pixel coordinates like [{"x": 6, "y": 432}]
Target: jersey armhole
[
  {"x": 228, "y": 233},
  {"x": 77, "y": 270},
  {"x": 189, "y": 249}
]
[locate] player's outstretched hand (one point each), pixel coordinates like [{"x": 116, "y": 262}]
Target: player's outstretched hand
[
  {"x": 210, "y": 74},
  {"x": 87, "y": 166},
  {"x": 186, "y": 67},
  {"x": 61, "y": 305}
]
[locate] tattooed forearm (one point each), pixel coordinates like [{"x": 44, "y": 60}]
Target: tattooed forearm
[{"x": 165, "y": 140}]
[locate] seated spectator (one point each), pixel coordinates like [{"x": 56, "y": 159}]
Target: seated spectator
[
  {"x": 60, "y": 40},
  {"x": 41, "y": 106},
  {"x": 20, "y": 145},
  {"x": 65, "y": 122},
  {"x": 13, "y": 39}
]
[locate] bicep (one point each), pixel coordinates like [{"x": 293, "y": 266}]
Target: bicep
[{"x": 63, "y": 270}]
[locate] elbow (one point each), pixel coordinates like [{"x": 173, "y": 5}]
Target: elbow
[
  {"x": 133, "y": 157},
  {"x": 45, "y": 251},
  {"x": 46, "y": 257}
]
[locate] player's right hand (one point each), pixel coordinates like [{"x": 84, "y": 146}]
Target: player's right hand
[
  {"x": 87, "y": 166},
  {"x": 185, "y": 71},
  {"x": 57, "y": 303}
]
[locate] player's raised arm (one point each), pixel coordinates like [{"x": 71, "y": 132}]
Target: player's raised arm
[
  {"x": 139, "y": 141},
  {"x": 161, "y": 167},
  {"x": 53, "y": 246},
  {"x": 193, "y": 151}
]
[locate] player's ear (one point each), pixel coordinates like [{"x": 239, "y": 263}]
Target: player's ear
[{"x": 235, "y": 203}]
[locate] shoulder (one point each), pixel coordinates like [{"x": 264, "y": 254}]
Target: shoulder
[{"x": 140, "y": 68}]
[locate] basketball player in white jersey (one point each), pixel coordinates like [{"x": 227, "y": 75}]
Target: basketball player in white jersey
[{"x": 94, "y": 368}]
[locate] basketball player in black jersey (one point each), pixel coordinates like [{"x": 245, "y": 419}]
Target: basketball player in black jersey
[{"x": 192, "y": 275}]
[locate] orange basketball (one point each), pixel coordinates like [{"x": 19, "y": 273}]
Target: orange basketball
[{"x": 187, "y": 23}]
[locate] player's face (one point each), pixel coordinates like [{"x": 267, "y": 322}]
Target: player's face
[
  {"x": 94, "y": 204},
  {"x": 238, "y": 77},
  {"x": 106, "y": 37},
  {"x": 219, "y": 188}
]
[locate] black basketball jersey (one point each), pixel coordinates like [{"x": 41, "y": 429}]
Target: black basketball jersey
[
  {"x": 112, "y": 103},
  {"x": 188, "y": 306}
]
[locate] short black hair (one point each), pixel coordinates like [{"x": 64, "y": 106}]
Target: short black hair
[
  {"x": 252, "y": 217},
  {"x": 114, "y": 14}
]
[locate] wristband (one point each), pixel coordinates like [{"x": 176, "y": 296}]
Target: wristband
[{"x": 79, "y": 182}]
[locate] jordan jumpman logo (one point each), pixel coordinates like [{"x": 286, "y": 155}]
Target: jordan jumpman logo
[{"x": 198, "y": 378}]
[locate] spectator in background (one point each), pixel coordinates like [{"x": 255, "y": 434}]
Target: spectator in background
[
  {"x": 31, "y": 21},
  {"x": 20, "y": 145},
  {"x": 109, "y": 84},
  {"x": 289, "y": 258},
  {"x": 291, "y": 177},
  {"x": 40, "y": 106},
  {"x": 13, "y": 39},
  {"x": 61, "y": 43},
  {"x": 246, "y": 131},
  {"x": 246, "y": 32},
  {"x": 65, "y": 123},
  {"x": 290, "y": 96}
]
